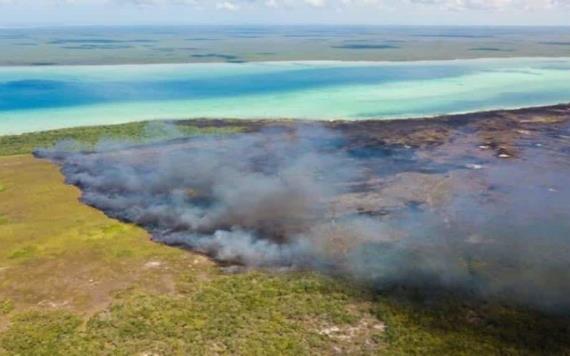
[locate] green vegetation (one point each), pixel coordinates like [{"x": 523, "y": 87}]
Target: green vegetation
[
  {"x": 57, "y": 251},
  {"x": 242, "y": 314},
  {"x": 74, "y": 282},
  {"x": 136, "y": 132},
  {"x": 290, "y": 314},
  {"x": 40, "y": 333},
  {"x": 451, "y": 325},
  {"x": 6, "y": 306},
  {"x": 250, "y": 313}
]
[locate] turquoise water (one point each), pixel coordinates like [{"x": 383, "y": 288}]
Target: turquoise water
[{"x": 47, "y": 97}]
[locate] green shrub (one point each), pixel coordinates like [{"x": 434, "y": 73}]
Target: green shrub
[
  {"x": 40, "y": 333},
  {"x": 6, "y": 306},
  {"x": 90, "y": 135}
]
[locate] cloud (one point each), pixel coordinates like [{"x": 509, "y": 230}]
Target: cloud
[
  {"x": 354, "y": 11},
  {"x": 316, "y": 3},
  {"x": 148, "y": 2},
  {"x": 466, "y": 4},
  {"x": 227, "y": 5},
  {"x": 489, "y": 4}
]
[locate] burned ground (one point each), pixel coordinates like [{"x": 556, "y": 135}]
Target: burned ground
[{"x": 474, "y": 203}]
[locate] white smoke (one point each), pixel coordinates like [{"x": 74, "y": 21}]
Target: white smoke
[{"x": 275, "y": 199}]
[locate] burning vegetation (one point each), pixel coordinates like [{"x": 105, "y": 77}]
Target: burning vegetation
[{"x": 472, "y": 205}]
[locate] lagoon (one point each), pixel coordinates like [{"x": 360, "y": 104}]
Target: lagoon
[{"x": 36, "y": 98}]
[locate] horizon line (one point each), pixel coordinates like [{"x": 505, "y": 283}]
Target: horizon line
[{"x": 253, "y": 24}]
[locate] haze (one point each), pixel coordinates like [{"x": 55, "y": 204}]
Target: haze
[{"x": 378, "y": 12}]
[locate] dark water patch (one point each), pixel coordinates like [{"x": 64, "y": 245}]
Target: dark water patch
[
  {"x": 324, "y": 32},
  {"x": 226, "y": 57},
  {"x": 87, "y": 41},
  {"x": 490, "y": 49},
  {"x": 32, "y": 94},
  {"x": 317, "y": 36},
  {"x": 141, "y": 41},
  {"x": 294, "y": 35},
  {"x": 100, "y": 41},
  {"x": 14, "y": 95},
  {"x": 95, "y": 47},
  {"x": 368, "y": 40},
  {"x": 174, "y": 49},
  {"x": 32, "y": 85},
  {"x": 452, "y": 35},
  {"x": 366, "y": 46},
  {"x": 21, "y": 95},
  {"x": 202, "y": 39},
  {"x": 515, "y": 71},
  {"x": 43, "y": 63}
]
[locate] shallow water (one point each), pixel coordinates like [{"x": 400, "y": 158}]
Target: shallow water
[{"x": 38, "y": 98}]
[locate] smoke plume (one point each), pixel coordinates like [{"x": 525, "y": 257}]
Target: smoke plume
[{"x": 303, "y": 198}]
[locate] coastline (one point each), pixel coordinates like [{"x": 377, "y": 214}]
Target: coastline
[
  {"x": 397, "y": 121},
  {"x": 344, "y": 62},
  {"x": 499, "y": 126}
]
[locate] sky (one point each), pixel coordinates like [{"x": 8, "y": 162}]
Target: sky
[{"x": 333, "y": 12}]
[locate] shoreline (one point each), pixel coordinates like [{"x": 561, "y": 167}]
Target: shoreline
[
  {"x": 227, "y": 121},
  {"x": 355, "y": 62}
]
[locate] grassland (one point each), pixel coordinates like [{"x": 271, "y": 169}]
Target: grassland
[
  {"x": 88, "y": 136},
  {"x": 74, "y": 282}
]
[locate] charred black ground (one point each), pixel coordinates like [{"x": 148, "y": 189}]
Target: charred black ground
[{"x": 476, "y": 203}]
